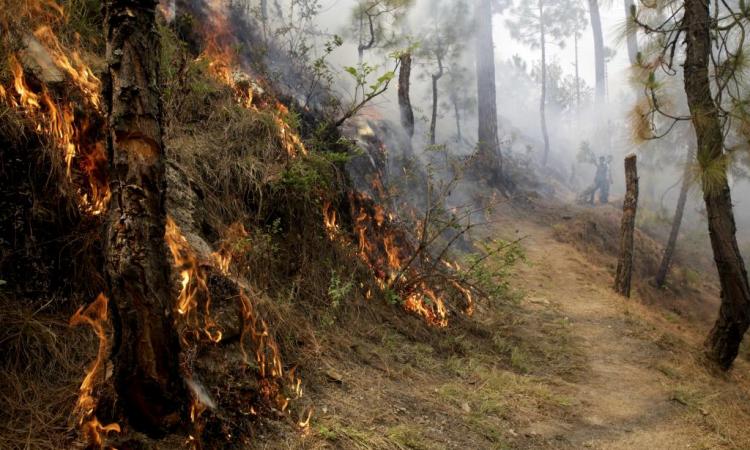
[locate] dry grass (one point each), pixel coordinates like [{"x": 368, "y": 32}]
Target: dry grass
[{"x": 43, "y": 364}]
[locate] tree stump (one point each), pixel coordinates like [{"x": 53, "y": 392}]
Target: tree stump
[{"x": 629, "y": 207}]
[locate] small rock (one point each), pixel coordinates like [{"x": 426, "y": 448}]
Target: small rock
[
  {"x": 334, "y": 376},
  {"x": 465, "y": 406},
  {"x": 37, "y": 60}
]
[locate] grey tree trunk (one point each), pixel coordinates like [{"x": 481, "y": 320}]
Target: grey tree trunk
[
  {"x": 489, "y": 163},
  {"x": 624, "y": 273},
  {"x": 724, "y": 340},
  {"x": 596, "y": 26},
  {"x": 543, "y": 99},
  {"x": 457, "y": 115},
  {"x": 150, "y": 390},
  {"x": 578, "y": 77},
  {"x": 669, "y": 249},
  {"x": 435, "y": 78},
  {"x": 404, "y": 100}
]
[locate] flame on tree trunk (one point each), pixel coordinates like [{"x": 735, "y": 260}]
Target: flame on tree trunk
[
  {"x": 147, "y": 379},
  {"x": 629, "y": 208},
  {"x": 724, "y": 339}
]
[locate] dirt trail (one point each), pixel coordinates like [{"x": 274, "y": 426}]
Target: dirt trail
[{"x": 622, "y": 400}]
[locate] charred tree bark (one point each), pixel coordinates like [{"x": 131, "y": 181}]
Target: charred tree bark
[
  {"x": 666, "y": 260},
  {"x": 435, "y": 78},
  {"x": 543, "y": 100},
  {"x": 147, "y": 379},
  {"x": 724, "y": 339},
  {"x": 489, "y": 163},
  {"x": 404, "y": 100},
  {"x": 632, "y": 38},
  {"x": 596, "y": 26},
  {"x": 630, "y": 205}
]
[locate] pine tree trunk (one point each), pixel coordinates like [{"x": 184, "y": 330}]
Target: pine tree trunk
[
  {"x": 629, "y": 208},
  {"x": 666, "y": 260},
  {"x": 489, "y": 162},
  {"x": 457, "y": 115},
  {"x": 724, "y": 339},
  {"x": 543, "y": 100},
  {"x": 435, "y": 78},
  {"x": 596, "y": 26},
  {"x": 404, "y": 101},
  {"x": 578, "y": 77},
  {"x": 632, "y": 37},
  {"x": 147, "y": 380}
]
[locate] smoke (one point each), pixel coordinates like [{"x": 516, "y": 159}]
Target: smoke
[{"x": 606, "y": 128}]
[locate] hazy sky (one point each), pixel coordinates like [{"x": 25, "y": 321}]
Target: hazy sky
[{"x": 337, "y": 13}]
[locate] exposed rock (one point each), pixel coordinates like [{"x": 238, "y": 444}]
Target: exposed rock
[{"x": 36, "y": 59}]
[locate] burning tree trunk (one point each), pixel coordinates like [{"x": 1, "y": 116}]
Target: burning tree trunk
[
  {"x": 489, "y": 160},
  {"x": 629, "y": 207},
  {"x": 666, "y": 260},
  {"x": 146, "y": 352},
  {"x": 404, "y": 102},
  {"x": 435, "y": 78},
  {"x": 724, "y": 340},
  {"x": 596, "y": 27}
]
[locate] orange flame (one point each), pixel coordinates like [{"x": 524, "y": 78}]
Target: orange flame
[
  {"x": 78, "y": 72},
  {"x": 56, "y": 119},
  {"x": 329, "y": 220},
  {"x": 193, "y": 280},
  {"x": 385, "y": 251},
  {"x": 95, "y": 315},
  {"x": 223, "y": 64}
]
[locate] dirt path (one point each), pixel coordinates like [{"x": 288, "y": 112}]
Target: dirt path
[{"x": 622, "y": 400}]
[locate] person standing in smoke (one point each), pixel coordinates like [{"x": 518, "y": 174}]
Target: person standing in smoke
[{"x": 602, "y": 180}]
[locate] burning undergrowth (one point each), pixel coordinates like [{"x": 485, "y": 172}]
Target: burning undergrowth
[
  {"x": 50, "y": 102},
  {"x": 257, "y": 221}
]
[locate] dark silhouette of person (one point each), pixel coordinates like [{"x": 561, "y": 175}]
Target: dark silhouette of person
[{"x": 602, "y": 180}]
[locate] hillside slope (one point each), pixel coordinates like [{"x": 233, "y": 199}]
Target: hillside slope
[{"x": 569, "y": 364}]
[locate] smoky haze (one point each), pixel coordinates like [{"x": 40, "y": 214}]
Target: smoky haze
[{"x": 606, "y": 128}]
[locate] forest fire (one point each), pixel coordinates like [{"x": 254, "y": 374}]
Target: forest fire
[
  {"x": 78, "y": 72},
  {"x": 94, "y": 315},
  {"x": 389, "y": 252},
  {"x": 225, "y": 66},
  {"x": 194, "y": 291},
  {"x": 54, "y": 114},
  {"x": 195, "y": 297},
  {"x": 329, "y": 220}
]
